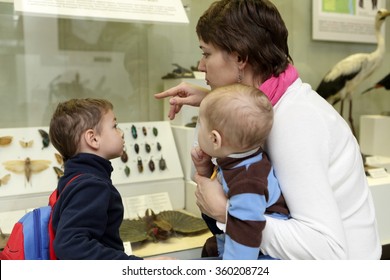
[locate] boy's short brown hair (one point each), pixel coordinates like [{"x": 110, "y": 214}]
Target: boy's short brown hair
[{"x": 71, "y": 119}]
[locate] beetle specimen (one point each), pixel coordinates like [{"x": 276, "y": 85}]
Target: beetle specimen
[
  {"x": 140, "y": 165},
  {"x": 162, "y": 164},
  {"x": 134, "y": 131},
  {"x": 45, "y": 138}
]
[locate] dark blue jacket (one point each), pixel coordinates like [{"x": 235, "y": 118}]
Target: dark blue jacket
[{"x": 89, "y": 212}]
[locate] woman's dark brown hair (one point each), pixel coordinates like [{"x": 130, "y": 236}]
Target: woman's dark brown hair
[{"x": 253, "y": 29}]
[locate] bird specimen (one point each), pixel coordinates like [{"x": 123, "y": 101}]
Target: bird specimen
[
  {"x": 384, "y": 83},
  {"x": 341, "y": 81}
]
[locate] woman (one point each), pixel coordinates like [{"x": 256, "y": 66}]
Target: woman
[{"x": 315, "y": 155}]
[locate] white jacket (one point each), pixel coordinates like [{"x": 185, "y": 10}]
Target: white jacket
[{"x": 318, "y": 163}]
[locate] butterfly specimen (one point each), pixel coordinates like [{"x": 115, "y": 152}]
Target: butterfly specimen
[
  {"x": 27, "y": 166},
  {"x": 26, "y": 144},
  {"x": 5, "y": 140},
  {"x": 45, "y": 138},
  {"x": 160, "y": 226},
  {"x": 5, "y": 179}
]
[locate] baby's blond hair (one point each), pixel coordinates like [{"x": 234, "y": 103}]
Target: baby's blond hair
[{"x": 242, "y": 115}]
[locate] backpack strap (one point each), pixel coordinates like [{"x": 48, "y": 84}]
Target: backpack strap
[
  {"x": 52, "y": 201},
  {"x": 54, "y": 196}
]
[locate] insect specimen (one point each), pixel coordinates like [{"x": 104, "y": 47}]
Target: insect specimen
[
  {"x": 147, "y": 148},
  {"x": 5, "y": 140},
  {"x": 134, "y": 131},
  {"x": 27, "y": 166},
  {"x": 162, "y": 164},
  {"x": 159, "y": 146},
  {"x": 26, "y": 144},
  {"x": 136, "y": 148},
  {"x": 5, "y": 179},
  {"x": 59, "y": 159},
  {"x": 144, "y": 131},
  {"x": 59, "y": 172},
  {"x": 3, "y": 239},
  {"x": 45, "y": 138},
  {"x": 127, "y": 171},
  {"x": 155, "y": 131},
  {"x": 124, "y": 156},
  {"x": 151, "y": 165},
  {"x": 160, "y": 226},
  {"x": 140, "y": 165}
]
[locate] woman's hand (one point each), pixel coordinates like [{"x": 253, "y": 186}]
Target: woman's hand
[
  {"x": 211, "y": 199},
  {"x": 182, "y": 94},
  {"x": 202, "y": 161}
]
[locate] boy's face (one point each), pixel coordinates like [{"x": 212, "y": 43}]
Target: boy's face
[{"x": 111, "y": 137}]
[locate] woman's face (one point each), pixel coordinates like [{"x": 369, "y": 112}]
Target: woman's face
[{"x": 220, "y": 67}]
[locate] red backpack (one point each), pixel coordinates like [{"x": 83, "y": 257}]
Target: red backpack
[{"x": 32, "y": 236}]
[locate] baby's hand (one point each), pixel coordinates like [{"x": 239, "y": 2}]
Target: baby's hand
[{"x": 202, "y": 161}]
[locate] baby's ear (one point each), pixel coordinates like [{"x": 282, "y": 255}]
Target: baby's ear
[{"x": 217, "y": 139}]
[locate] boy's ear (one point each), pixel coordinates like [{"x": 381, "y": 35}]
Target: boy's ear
[
  {"x": 217, "y": 139},
  {"x": 91, "y": 139}
]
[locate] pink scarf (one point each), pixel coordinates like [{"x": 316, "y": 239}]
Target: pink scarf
[{"x": 275, "y": 87}]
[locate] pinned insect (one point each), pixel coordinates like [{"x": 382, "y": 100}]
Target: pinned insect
[
  {"x": 5, "y": 179},
  {"x": 3, "y": 239},
  {"x": 26, "y": 144},
  {"x": 59, "y": 172},
  {"x": 147, "y": 148},
  {"x": 127, "y": 171},
  {"x": 155, "y": 131},
  {"x": 136, "y": 148},
  {"x": 140, "y": 165},
  {"x": 134, "y": 131},
  {"x": 45, "y": 138},
  {"x": 159, "y": 146},
  {"x": 144, "y": 131},
  {"x": 124, "y": 156},
  {"x": 27, "y": 166},
  {"x": 162, "y": 164},
  {"x": 5, "y": 140},
  {"x": 59, "y": 159},
  {"x": 151, "y": 165},
  {"x": 161, "y": 226}
]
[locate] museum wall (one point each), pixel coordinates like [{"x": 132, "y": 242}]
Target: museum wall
[{"x": 45, "y": 60}]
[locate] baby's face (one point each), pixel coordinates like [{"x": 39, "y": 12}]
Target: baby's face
[{"x": 205, "y": 137}]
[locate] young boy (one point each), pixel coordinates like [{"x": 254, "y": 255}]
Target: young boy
[
  {"x": 89, "y": 212},
  {"x": 234, "y": 122}
]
